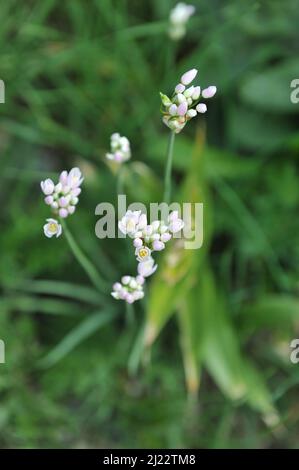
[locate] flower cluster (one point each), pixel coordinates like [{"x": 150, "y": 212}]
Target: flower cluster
[
  {"x": 129, "y": 289},
  {"x": 62, "y": 198},
  {"x": 185, "y": 102},
  {"x": 178, "y": 18},
  {"x": 147, "y": 238},
  {"x": 120, "y": 149}
]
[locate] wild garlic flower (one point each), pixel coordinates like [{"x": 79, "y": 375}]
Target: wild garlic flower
[
  {"x": 120, "y": 149},
  {"x": 147, "y": 268},
  {"x": 132, "y": 222},
  {"x": 149, "y": 237},
  {"x": 178, "y": 18},
  {"x": 52, "y": 228},
  {"x": 129, "y": 289},
  {"x": 63, "y": 196},
  {"x": 185, "y": 102}
]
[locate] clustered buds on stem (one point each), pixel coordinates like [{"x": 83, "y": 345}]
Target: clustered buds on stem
[
  {"x": 120, "y": 149},
  {"x": 147, "y": 238},
  {"x": 62, "y": 198},
  {"x": 185, "y": 102},
  {"x": 129, "y": 289},
  {"x": 178, "y": 18}
]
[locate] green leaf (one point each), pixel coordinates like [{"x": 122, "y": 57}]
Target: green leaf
[
  {"x": 64, "y": 289},
  {"x": 81, "y": 332},
  {"x": 275, "y": 311}
]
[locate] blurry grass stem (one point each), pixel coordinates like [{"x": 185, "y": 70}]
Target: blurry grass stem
[
  {"x": 168, "y": 169},
  {"x": 86, "y": 264},
  {"x": 120, "y": 180}
]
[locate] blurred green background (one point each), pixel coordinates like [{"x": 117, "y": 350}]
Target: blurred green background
[{"x": 213, "y": 366}]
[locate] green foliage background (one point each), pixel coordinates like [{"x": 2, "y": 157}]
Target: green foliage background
[{"x": 214, "y": 332}]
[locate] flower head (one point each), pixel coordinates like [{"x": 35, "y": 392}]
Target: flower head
[
  {"x": 132, "y": 223},
  {"x": 120, "y": 149},
  {"x": 143, "y": 253},
  {"x": 147, "y": 268},
  {"x": 52, "y": 228},
  {"x": 184, "y": 103},
  {"x": 153, "y": 237},
  {"x": 179, "y": 16},
  {"x": 63, "y": 197},
  {"x": 129, "y": 289}
]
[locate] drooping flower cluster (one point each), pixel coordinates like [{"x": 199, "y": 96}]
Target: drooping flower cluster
[
  {"x": 185, "y": 102},
  {"x": 178, "y": 18},
  {"x": 120, "y": 148},
  {"x": 62, "y": 198},
  {"x": 129, "y": 289},
  {"x": 147, "y": 238}
]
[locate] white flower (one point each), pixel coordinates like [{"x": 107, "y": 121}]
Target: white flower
[
  {"x": 63, "y": 197},
  {"x": 147, "y": 268},
  {"x": 175, "y": 223},
  {"x": 132, "y": 222},
  {"x": 52, "y": 228},
  {"x": 129, "y": 289},
  {"x": 120, "y": 148},
  {"x": 74, "y": 178},
  {"x": 47, "y": 186},
  {"x": 184, "y": 103},
  {"x": 178, "y": 18},
  {"x": 143, "y": 253}
]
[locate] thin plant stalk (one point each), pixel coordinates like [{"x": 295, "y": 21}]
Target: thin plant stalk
[
  {"x": 82, "y": 259},
  {"x": 130, "y": 314},
  {"x": 120, "y": 180},
  {"x": 168, "y": 168}
]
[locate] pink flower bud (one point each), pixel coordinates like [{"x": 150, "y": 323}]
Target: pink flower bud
[
  {"x": 188, "y": 77},
  {"x": 63, "y": 202},
  {"x": 173, "y": 109},
  {"x": 179, "y": 88},
  {"x": 63, "y": 213},
  {"x": 71, "y": 209},
  {"x": 209, "y": 92},
  {"x": 182, "y": 109},
  {"x": 117, "y": 286},
  {"x": 49, "y": 200},
  {"x": 158, "y": 246},
  {"x": 63, "y": 177},
  {"x": 137, "y": 242},
  {"x": 165, "y": 237}
]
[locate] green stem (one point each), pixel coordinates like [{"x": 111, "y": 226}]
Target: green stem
[
  {"x": 86, "y": 264},
  {"x": 130, "y": 315},
  {"x": 120, "y": 180},
  {"x": 168, "y": 168}
]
